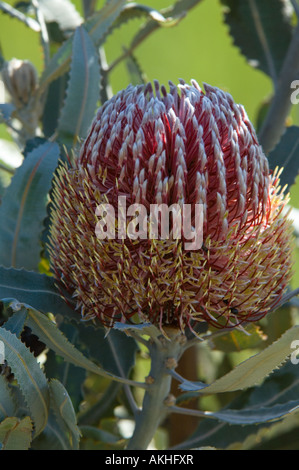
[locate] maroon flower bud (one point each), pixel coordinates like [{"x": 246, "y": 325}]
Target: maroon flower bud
[{"x": 184, "y": 147}]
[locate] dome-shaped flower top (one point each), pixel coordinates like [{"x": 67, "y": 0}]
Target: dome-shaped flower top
[{"x": 185, "y": 147}]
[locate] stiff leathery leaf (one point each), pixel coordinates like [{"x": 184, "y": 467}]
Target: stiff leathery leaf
[
  {"x": 84, "y": 82},
  {"x": 97, "y": 26},
  {"x": 37, "y": 290},
  {"x": 278, "y": 392},
  {"x": 253, "y": 370},
  {"x": 253, "y": 24},
  {"x": 285, "y": 155},
  {"x": 49, "y": 333}
]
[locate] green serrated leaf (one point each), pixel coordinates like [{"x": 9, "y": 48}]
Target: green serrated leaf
[
  {"x": 253, "y": 370},
  {"x": 280, "y": 389},
  {"x": 136, "y": 75},
  {"x": 52, "y": 437},
  {"x": 71, "y": 376},
  {"x": 16, "y": 434},
  {"x": 64, "y": 412},
  {"x": 83, "y": 90},
  {"x": 97, "y": 26},
  {"x": 62, "y": 12},
  {"x": 23, "y": 208},
  {"x": 254, "y": 24},
  {"x": 99, "y": 439},
  {"x": 14, "y": 13},
  {"x": 29, "y": 376},
  {"x": 141, "y": 329},
  {"x": 134, "y": 10},
  {"x": 285, "y": 155},
  {"x": 7, "y": 404},
  {"x": 34, "y": 289},
  {"x": 6, "y": 110},
  {"x": 54, "y": 101}
]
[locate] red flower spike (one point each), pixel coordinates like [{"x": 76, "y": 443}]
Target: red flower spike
[{"x": 181, "y": 147}]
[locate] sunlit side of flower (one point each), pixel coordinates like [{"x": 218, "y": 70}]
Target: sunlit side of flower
[{"x": 188, "y": 147}]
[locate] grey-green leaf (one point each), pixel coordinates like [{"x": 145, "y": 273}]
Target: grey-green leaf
[
  {"x": 277, "y": 394},
  {"x": 253, "y": 370},
  {"x": 122, "y": 349},
  {"x": 23, "y": 208},
  {"x": 37, "y": 290},
  {"x": 262, "y": 30},
  {"x": 15, "y": 433},
  {"x": 7, "y": 404},
  {"x": 83, "y": 90},
  {"x": 63, "y": 12},
  {"x": 64, "y": 413},
  {"x": 29, "y": 376},
  {"x": 255, "y": 415},
  {"x": 49, "y": 334},
  {"x": 286, "y": 155},
  {"x": 15, "y": 323},
  {"x": 97, "y": 26}
]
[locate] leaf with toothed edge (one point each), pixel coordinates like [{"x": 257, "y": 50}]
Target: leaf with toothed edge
[
  {"x": 253, "y": 370},
  {"x": 23, "y": 208},
  {"x": 48, "y": 333},
  {"x": 65, "y": 416},
  {"x": 15, "y": 433},
  {"x": 285, "y": 155},
  {"x": 30, "y": 377},
  {"x": 82, "y": 92},
  {"x": 37, "y": 290},
  {"x": 176, "y": 11},
  {"x": 254, "y": 24},
  {"x": 262, "y": 405},
  {"x": 97, "y": 27}
]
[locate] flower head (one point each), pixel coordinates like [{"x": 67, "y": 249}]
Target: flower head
[{"x": 181, "y": 147}]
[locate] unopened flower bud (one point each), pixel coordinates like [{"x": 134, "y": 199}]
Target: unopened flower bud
[
  {"x": 188, "y": 146},
  {"x": 20, "y": 79}
]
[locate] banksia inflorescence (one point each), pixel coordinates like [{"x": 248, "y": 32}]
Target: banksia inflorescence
[{"x": 181, "y": 147}]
